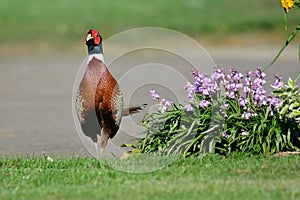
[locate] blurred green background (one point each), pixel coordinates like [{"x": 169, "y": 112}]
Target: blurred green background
[{"x": 59, "y": 22}]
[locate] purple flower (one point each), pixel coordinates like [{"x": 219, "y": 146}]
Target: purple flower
[
  {"x": 276, "y": 102},
  {"x": 251, "y": 112},
  {"x": 224, "y": 135},
  {"x": 242, "y": 101},
  {"x": 238, "y": 86},
  {"x": 204, "y": 103},
  {"x": 244, "y": 133},
  {"x": 273, "y": 102},
  {"x": 259, "y": 74},
  {"x": 232, "y": 84},
  {"x": 248, "y": 78},
  {"x": 259, "y": 91},
  {"x": 224, "y": 114},
  {"x": 257, "y": 85},
  {"x": 259, "y": 95},
  {"x": 205, "y": 91},
  {"x": 218, "y": 74},
  {"x": 258, "y": 82},
  {"x": 189, "y": 87},
  {"x": 166, "y": 102},
  {"x": 154, "y": 95},
  {"x": 205, "y": 85},
  {"x": 278, "y": 82},
  {"x": 230, "y": 94},
  {"x": 247, "y": 91},
  {"x": 163, "y": 103},
  {"x": 188, "y": 107},
  {"x": 246, "y": 115},
  {"x": 237, "y": 76},
  {"x": 259, "y": 99},
  {"x": 162, "y": 108}
]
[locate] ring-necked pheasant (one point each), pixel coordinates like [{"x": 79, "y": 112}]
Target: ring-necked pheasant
[{"x": 99, "y": 101}]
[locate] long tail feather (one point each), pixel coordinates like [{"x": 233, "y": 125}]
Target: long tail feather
[{"x": 132, "y": 109}]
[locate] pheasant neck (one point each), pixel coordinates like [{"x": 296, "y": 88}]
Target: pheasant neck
[{"x": 95, "y": 49}]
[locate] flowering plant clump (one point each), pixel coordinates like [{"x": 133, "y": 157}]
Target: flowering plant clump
[
  {"x": 228, "y": 112},
  {"x": 225, "y": 113}
]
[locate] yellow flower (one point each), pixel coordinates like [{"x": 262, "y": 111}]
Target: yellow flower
[{"x": 287, "y": 4}]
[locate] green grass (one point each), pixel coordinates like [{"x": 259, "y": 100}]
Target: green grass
[
  {"x": 56, "y": 21},
  {"x": 212, "y": 177}
]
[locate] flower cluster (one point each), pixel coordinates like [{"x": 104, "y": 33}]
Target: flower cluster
[
  {"x": 232, "y": 84},
  {"x": 245, "y": 88},
  {"x": 204, "y": 85},
  {"x": 164, "y": 104},
  {"x": 249, "y": 118}
]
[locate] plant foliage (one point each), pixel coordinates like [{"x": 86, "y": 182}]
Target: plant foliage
[{"x": 226, "y": 113}]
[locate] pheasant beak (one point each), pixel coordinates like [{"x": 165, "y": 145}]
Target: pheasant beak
[{"x": 88, "y": 37}]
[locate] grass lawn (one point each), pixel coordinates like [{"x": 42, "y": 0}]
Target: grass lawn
[
  {"x": 212, "y": 177},
  {"x": 56, "y": 21}
]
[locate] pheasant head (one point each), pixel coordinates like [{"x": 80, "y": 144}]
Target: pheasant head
[{"x": 93, "y": 40}]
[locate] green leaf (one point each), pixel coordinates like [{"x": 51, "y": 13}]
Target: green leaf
[
  {"x": 267, "y": 114},
  {"x": 289, "y": 138},
  {"x": 284, "y": 110},
  {"x": 264, "y": 146},
  {"x": 278, "y": 140},
  {"x": 287, "y": 42},
  {"x": 291, "y": 83},
  {"x": 296, "y": 113},
  {"x": 296, "y": 104}
]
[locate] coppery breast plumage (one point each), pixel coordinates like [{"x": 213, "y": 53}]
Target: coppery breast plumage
[{"x": 99, "y": 96}]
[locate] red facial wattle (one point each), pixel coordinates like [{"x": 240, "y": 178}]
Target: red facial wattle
[{"x": 96, "y": 36}]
